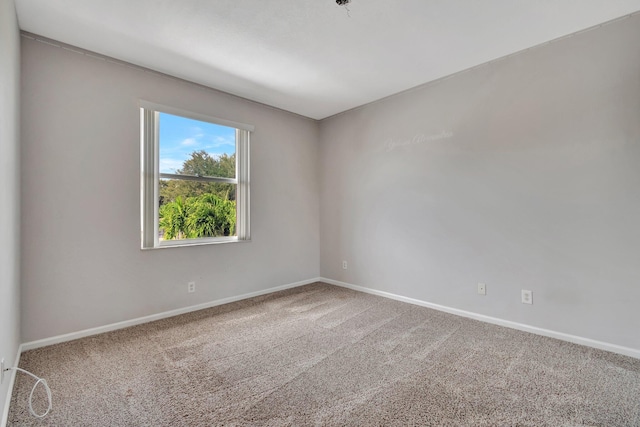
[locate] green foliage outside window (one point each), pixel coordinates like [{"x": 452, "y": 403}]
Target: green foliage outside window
[{"x": 190, "y": 209}]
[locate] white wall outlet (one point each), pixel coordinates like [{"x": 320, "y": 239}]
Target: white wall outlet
[
  {"x": 527, "y": 297},
  {"x": 482, "y": 289},
  {"x": 344, "y": 265},
  {"x": 191, "y": 287},
  {"x": 1, "y": 371}
]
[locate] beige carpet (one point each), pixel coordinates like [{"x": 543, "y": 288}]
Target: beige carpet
[{"x": 325, "y": 356}]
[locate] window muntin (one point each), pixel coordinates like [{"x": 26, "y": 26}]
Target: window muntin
[{"x": 195, "y": 178}]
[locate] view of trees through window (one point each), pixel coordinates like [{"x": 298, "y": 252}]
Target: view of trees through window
[{"x": 189, "y": 208}]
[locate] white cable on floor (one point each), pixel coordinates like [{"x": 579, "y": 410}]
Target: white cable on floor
[{"x": 46, "y": 387}]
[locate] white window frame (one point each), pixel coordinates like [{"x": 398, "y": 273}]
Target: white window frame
[{"x": 150, "y": 177}]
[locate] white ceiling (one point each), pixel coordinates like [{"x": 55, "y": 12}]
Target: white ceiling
[{"x": 312, "y": 57}]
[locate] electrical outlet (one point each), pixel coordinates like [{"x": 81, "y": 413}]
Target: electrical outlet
[
  {"x": 344, "y": 265},
  {"x": 482, "y": 289},
  {"x": 527, "y": 297},
  {"x": 191, "y": 287},
  {"x": 1, "y": 371}
]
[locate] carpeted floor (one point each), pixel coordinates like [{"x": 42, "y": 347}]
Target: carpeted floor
[{"x": 327, "y": 356}]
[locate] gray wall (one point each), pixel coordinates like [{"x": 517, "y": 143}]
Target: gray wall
[
  {"x": 523, "y": 173},
  {"x": 9, "y": 189},
  {"x": 82, "y": 263}
]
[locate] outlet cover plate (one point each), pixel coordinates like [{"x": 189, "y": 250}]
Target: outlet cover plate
[
  {"x": 527, "y": 297},
  {"x": 482, "y": 289},
  {"x": 1, "y": 371}
]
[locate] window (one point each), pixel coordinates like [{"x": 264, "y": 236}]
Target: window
[{"x": 195, "y": 178}]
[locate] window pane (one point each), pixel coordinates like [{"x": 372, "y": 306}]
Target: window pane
[
  {"x": 193, "y": 147},
  {"x": 192, "y": 210}
]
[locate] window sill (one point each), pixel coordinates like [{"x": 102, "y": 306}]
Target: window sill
[{"x": 198, "y": 242}]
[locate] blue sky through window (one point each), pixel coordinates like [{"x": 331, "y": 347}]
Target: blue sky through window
[{"x": 179, "y": 137}]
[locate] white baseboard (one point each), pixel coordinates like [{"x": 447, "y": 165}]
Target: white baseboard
[
  {"x": 494, "y": 320},
  {"x": 12, "y": 380},
  {"x": 140, "y": 320},
  {"x": 626, "y": 351}
]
